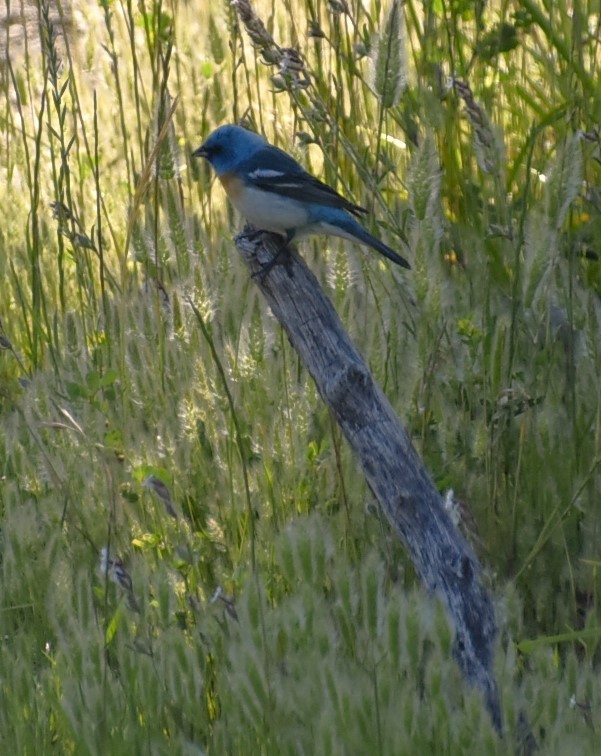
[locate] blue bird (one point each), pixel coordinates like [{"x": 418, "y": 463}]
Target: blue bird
[{"x": 274, "y": 193}]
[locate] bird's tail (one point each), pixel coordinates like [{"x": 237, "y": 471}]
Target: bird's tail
[
  {"x": 384, "y": 250},
  {"x": 349, "y": 228}
]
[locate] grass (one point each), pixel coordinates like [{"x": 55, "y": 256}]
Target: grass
[{"x": 276, "y": 613}]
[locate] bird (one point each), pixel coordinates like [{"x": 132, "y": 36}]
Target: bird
[{"x": 276, "y": 194}]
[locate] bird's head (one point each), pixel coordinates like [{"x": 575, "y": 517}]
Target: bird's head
[{"x": 228, "y": 146}]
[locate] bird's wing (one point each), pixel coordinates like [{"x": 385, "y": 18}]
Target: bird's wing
[{"x": 273, "y": 170}]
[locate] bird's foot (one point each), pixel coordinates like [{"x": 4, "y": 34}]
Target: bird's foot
[
  {"x": 269, "y": 240},
  {"x": 282, "y": 257}
]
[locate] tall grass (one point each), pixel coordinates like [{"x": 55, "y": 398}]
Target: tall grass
[{"x": 254, "y": 601}]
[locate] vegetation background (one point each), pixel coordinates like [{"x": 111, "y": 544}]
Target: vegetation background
[{"x": 190, "y": 559}]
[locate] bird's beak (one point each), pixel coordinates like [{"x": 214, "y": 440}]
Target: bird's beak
[{"x": 200, "y": 152}]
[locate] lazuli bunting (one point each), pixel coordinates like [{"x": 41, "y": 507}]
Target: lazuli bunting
[{"x": 274, "y": 193}]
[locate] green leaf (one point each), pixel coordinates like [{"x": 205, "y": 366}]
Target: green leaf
[{"x": 113, "y": 625}]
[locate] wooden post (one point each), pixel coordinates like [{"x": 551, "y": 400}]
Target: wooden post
[{"x": 392, "y": 467}]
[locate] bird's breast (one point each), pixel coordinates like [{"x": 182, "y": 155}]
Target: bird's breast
[{"x": 232, "y": 185}]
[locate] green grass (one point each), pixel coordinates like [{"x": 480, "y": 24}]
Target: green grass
[{"x": 277, "y": 613}]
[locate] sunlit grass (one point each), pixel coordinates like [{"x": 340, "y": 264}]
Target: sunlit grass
[{"x": 134, "y": 344}]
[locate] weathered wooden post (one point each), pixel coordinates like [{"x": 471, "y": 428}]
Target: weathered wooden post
[{"x": 392, "y": 467}]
